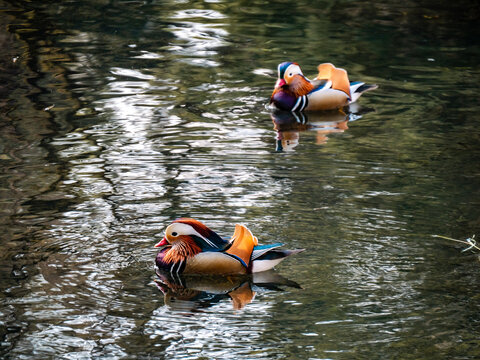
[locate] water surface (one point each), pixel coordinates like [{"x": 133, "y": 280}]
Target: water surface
[{"x": 119, "y": 116}]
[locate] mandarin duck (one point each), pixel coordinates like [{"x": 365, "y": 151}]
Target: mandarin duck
[
  {"x": 190, "y": 247},
  {"x": 330, "y": 90}
]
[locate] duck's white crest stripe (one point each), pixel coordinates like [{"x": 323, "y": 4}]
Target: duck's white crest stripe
[{"x": 186, "y": 229}]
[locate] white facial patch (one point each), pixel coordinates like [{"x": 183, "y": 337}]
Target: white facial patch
[
  {"x": 185, "y": 229},
  {"x": 293, "y": 69}
]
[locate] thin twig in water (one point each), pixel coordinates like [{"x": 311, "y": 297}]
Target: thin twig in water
[{"x": 472, "y": 244}]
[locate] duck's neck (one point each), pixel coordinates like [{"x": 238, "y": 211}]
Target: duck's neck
[
  {"x": 181, "y": 251},
  {"x": 300, "y": 86}
]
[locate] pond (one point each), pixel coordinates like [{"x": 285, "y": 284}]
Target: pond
[{"x": 118, "y": 117}]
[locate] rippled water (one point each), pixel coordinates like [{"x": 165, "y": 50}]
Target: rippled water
[{"x": 119, "y": 116}]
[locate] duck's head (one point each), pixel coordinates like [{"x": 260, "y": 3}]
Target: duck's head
[
  {"x": 291, "y": 80},
  {"x": 287, "y": 71},
  {"x": 190, "y": 231}
]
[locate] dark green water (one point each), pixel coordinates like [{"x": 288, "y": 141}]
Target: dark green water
[{"x": 119, "y": 116}]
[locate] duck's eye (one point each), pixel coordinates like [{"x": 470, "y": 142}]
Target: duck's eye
[
  {"x": 174, "y": 233},
  {"x": 291, "y": 74}
]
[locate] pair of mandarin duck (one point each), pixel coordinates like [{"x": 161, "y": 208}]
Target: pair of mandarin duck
[{"x": 190, "y": 247}]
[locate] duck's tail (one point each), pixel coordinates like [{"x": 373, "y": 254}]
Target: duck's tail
[
  {"x": 358, "y": 88},
  {"x": 270, "y": 258}
]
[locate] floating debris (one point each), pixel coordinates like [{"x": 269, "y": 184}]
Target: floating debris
[{"x": 471, "y": 242}]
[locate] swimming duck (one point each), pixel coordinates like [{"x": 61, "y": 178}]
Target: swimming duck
[
  {"x": 330, "y": 90},
  {"x": 190, "y": 247}
]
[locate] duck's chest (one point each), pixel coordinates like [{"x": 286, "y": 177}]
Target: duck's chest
[
  {"x": 163, "y": 265},
  {"x": 283, "y": 100}
]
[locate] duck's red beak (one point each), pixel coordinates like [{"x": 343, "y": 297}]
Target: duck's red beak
[
  {"x": 163, "y": 242},
  {"x": 280, "y": 83}
]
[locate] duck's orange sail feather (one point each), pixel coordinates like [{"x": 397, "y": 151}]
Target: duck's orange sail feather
[
  {"x": 337, "y": 76},
  {"x": 243, "y": 243}
]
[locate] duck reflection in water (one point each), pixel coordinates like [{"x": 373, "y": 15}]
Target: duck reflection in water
[
  {"x": 288, "y": 126},
  {"x": 192, "y": 293}
]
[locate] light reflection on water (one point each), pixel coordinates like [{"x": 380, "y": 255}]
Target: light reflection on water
[{"x": 159, "y": 112}]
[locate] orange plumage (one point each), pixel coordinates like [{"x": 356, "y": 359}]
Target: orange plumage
[
  {"x": 338, "y": 77},
  {"x": 299, "y": 85},
  {"x": 183, "y": 248}
]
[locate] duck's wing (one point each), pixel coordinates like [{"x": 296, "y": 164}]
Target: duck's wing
[
  {"x": 210, "y": 262},
  {"x": 319, "y": 84},
  {"x": 260, "y": 250},
  {"x": 242, "y": 244},
  {"x": 338, "y": 77}
]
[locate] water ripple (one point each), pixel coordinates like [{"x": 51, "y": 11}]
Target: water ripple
[{"x": 139, "y": 112}]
